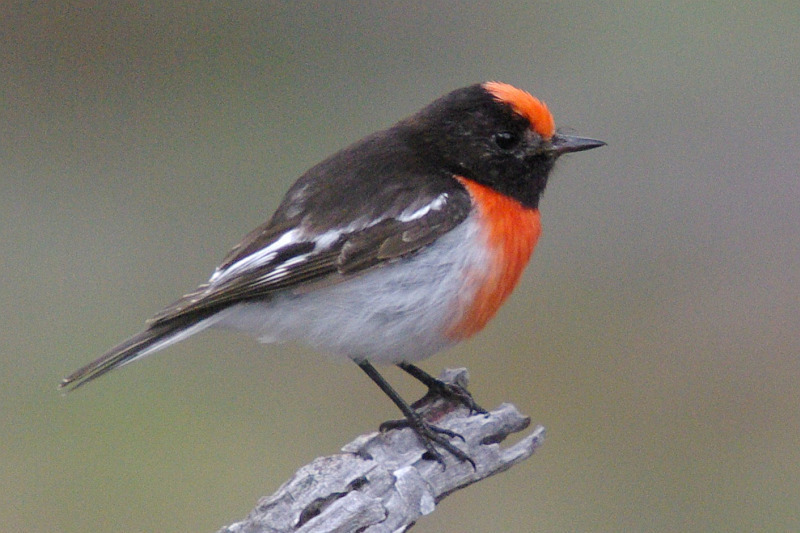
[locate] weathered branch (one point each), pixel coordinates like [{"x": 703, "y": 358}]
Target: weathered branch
[{"x": 383, "y": 482}]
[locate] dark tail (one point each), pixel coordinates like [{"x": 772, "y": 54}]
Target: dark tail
[{"x": 150, "y": 340}]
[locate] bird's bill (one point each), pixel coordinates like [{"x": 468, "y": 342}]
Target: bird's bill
[{"x": 563, "y": 144}]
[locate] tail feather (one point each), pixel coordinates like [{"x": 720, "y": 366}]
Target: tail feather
[{"x": 148, "y": 341}]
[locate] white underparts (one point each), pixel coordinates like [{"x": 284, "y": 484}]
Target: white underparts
[{"x": 396, "y": 312}]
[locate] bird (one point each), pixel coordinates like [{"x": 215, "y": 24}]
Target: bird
[{"x": 390, "y": 250}]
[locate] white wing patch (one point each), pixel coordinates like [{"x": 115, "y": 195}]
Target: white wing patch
[
  {"x": 322, "y": 241},
  {"x": 254, "y": 260},
  {"x": 281, "y": 270},
  {"x": 326, "y": 239},
  {"x": 436, "y": 204}
]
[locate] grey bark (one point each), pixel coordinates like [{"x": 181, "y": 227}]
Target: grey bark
[{"x": 383, "y": 483}]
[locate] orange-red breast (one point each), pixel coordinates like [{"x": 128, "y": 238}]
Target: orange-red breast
[{"x": 390, "y": 250}]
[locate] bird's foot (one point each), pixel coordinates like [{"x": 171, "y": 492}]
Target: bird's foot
[
  {"x": 430, "y": 436},
  {"x": 451, "y": 392},
  {"x": 451, "y": 386}
]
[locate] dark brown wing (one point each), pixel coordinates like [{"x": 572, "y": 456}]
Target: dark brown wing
[
  {"x": 309, "y": 259},
  {"x": 371, "y": 203}
]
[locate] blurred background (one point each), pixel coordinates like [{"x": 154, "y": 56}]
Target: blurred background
[{"x": 655, "y": 334}]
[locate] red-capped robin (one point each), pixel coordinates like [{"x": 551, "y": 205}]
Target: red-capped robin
[{"x": 392, "y": 249}]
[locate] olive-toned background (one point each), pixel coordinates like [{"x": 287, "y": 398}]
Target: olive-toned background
[{"x": 655, "y": 333}]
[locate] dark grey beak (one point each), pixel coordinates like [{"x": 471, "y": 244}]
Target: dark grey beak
[{"x": 563, "y": 144}]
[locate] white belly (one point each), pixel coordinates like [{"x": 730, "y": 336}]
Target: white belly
[{"x": 397, "y": 312}]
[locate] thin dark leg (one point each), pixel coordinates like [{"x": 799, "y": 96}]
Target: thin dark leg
[
  {"x": 450, "y": 391},
  {"x": 427, "y": 433}
]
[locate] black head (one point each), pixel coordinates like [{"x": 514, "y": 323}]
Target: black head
[{"x": 494, "y": 134}]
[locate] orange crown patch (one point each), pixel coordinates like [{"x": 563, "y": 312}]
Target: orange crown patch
[{"x": 533, "y": 109}]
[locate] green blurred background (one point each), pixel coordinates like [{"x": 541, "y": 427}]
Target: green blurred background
[{"x": 656, "y": 333}]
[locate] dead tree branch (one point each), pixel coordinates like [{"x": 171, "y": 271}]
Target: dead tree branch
[{"x": 382, "y": 482}]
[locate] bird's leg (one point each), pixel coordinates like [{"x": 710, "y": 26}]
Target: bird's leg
[
  {"x": 449, "y": 391},
  {"x": 427, "y": 433}
]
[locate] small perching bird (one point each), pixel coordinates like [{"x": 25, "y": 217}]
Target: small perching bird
[{"x": 390, "y": 250}]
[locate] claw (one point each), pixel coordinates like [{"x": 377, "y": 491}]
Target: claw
[
  {"x": 442, "y": 389},
  {"x": 459, "y": 394},
  {"x": 429, "y": 434},
  {"x": 404, "y": 423}
]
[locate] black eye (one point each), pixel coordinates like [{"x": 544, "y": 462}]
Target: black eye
[{"x": 506, "y": 140}]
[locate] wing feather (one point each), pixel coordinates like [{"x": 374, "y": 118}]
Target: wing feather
[{"x": 303, "y": 259}]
